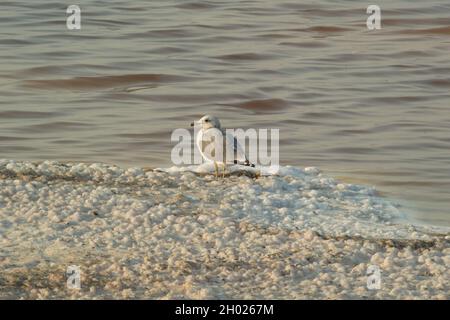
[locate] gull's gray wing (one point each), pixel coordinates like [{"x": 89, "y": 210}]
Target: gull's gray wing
[{"x": 238, "y": 152}]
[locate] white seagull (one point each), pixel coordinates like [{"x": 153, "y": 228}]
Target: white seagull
[{"x": 218, "y": 146}]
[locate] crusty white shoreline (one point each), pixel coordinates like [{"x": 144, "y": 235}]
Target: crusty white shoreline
[{"x": 174, "y": 234}]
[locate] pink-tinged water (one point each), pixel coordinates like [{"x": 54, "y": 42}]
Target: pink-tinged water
[{"x": 366, "y": 106}]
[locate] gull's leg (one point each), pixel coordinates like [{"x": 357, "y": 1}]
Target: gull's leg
[
  {"x": 224, "y": 169},
  {"x": 216, "y": 170}
]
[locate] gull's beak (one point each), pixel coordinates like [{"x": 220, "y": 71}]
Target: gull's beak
[{"x": 194, "y": 123}]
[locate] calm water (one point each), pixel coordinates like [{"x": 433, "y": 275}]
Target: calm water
[{"x": 371, "y": 107}]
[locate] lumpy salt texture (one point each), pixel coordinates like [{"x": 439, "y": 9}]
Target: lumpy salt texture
[{"x": 182, "y": 233}]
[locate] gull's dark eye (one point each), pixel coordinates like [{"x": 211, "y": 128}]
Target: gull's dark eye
[{"x": 206, "y": 120}]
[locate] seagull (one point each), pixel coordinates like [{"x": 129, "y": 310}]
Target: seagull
[{"x": 210, "y": 132}]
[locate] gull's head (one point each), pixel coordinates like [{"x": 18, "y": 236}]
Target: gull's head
[{"x": 207, "y": 122}]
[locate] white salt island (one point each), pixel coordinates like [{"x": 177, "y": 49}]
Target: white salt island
[{"x": 180, "y": 233}]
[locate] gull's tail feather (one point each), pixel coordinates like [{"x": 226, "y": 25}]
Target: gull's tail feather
[{"x": 245, "y": 163}]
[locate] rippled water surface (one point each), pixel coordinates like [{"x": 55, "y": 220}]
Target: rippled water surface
[{"x": 365, "y": 106}]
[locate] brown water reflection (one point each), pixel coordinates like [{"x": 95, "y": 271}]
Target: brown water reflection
[{"x": 368, "y": 106}]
